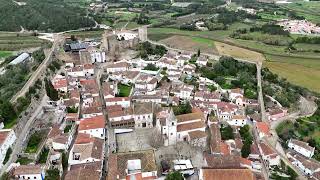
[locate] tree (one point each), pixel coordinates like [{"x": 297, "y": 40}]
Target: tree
[
  {"x": 52, "y": 174},
  {"x": 64, "y": 161},
  {"x": 174, "y": 176},
  {"x": 226, "y": 133},
  {"x": 246, "y": 149},
  {"x": 51, "y": 92},
  {"x": 198, "y": 54},
  {"x": 7, "y": 111}
]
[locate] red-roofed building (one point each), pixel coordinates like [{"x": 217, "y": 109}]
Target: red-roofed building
[
  {"x": 270, "y": 156},
  {"x": 94, "y": 126},
  {"x": 263, "y": 129}
]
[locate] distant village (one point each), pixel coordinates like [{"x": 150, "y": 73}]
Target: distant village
[{"x": 123, "y": 117}]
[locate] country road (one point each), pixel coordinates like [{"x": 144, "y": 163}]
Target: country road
[{"x": 35, "y": 75}]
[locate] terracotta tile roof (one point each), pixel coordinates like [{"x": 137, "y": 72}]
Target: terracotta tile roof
[
  {"x": 93, "y": 149},
  {"x": 27, "y": 169},
  {"x": 60, "y": 83},
  {"x": 237, "y": 90},
  {"x": 83, "y": 138},
  {"x": 190, "y": 126},
  {"x": 112, "y": 167},
  {"x": 245, "y": 161},
  {"x": 254, "y": 149},
  {"x": 118, "y": 65},
  {"x": 225, "y": 150},
  {"x": 263, "y": 127},
  {"x": 62, "y": 139},
  {"x": 266, "y": 150},
  {"x": 88, "y": 66},
  {"x": 190, "y": 117},
  {"x": 116, "y": 99},
  {"x": 92, "y": 123},
  {"x": 227, "y": 174},
  {"x": 55, "y": 131},
  {"x": 147, "y": 158},
  {"x": 197, "y": 134},
  {"x": 72, "y": 117},
  {"x": 3, "y": 135},
  {"x": 215, "y": 138},
  {"x": 228, "y": 161},
  {"x": 308, "y": 163},
  {"x": 142, "y": 108},
  {"x": 114, "y": 108},
  {"x": 91, "y": 110},
  {"x": 87, "y": 171}
]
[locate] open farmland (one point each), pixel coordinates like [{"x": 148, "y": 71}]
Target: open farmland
[
  {"x": 17, "y": 41},
  {"x": 191, "y": 43},
  {"x": 237, "y": 52},
  {"x": 297, "y": 74}
]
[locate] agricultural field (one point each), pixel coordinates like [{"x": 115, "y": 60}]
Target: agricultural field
[
  {"x": 298, "y": 74},
  {"x": 310, "y": 10},
  {"x": 86, "y": 34},
  {"x": 237, "y": 52},
  {"x": 17, "y": 41},
  {"x": 191, "y": 43}
]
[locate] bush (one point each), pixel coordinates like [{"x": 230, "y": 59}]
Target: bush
[
  {"x": 226, "y": 133},
  {"x": 7, "y": 157}
]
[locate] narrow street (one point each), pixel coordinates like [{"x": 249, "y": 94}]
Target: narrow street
[{"x": 21, "y": 133}]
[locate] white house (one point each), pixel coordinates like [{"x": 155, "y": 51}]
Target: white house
[
  {"x": 188, "y": 123},
  {"x": 94, "y": 55},
  {"x": 88, "y": 112},
  {"x": 167, "y": 124},
  {"x": 301, "y": 147},
  {"x": 143, "y": 115},
  {"x": 125, "y": 102},
  {"x": 263, "y": 129},
  {"x": 86, "y": 149},
  {"x": 7, "y": 138},
  {"x": 88, "y": 69},
  {"x": 234, "y": 93},
  {"x": 118, "y": 67},
  {"x": 307, "y": 166},
  {"x": 23, "y": 172},
  {"x": 76, "y": 71},
  {"x": 270, "y": 156},
  {"x": 185, "y": 92},
  {"x": 237, "y": 120},
  {"x": 94, "y": 126},
  {"x": 202, "y": 61}
]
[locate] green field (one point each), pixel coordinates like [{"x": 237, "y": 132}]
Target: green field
[
  {"x": 124, "y": 90},
  {"x": 310, "y": 10},
  {"x": 17, "y": 41},
  {"x": 4, "y": 54},
  {"x": 86, "y": 34},
  {"x": 301, "y": 68},
  {"x": 34, "y": 141}
]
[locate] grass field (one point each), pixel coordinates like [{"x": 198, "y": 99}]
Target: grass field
[
  {"x": 24, "y": 161},
  {"x": 34, "y": 141},
  {"x": 191, "y": 43},
  {"x": 4, "y": 54},
  {"x": 17, "y": 41},
  {"x": 297, "y": 74},
  {"x": 300, "y": 68},
  {"x": 124, "y": 90},
  {"x": 86, "y": 34},
  {"x": 226, "y": 49},
  {"x": 309, "y": 10}
]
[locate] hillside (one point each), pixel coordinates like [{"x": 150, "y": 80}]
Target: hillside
[{"x": 44, "y": 15}]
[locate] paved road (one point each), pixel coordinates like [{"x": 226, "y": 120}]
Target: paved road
[
  {"x": 35, "y": 75},
  {"x": 21, "y": 135}
]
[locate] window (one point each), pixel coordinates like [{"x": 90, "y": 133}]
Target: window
[{"x": 144, "y": 124}]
